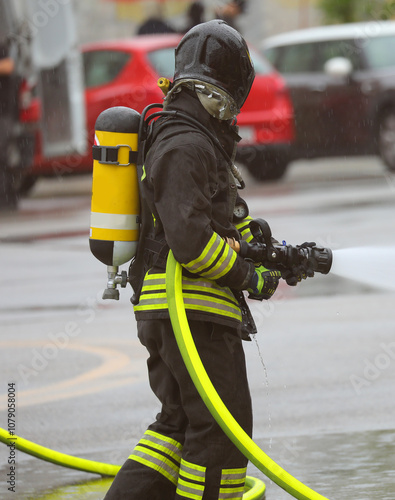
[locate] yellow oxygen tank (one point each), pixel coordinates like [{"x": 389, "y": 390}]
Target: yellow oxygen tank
[{"x": 115, "y": 207}]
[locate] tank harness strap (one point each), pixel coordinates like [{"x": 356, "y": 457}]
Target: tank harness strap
[
  {"x": 139, "y": 264},
  {"x": 160, "y": 249},
  {"x": 109, "y": 154}
]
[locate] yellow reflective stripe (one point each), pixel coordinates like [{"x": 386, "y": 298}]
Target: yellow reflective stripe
[
  {"x": 196, "y": 473},
  {"x": 154, "y": 297},
  {"x": 244, "y": 222},
  {"x": 156, "y": 461},
  {"x": 232, "y": 481},
  {"x": 200, "y": 286},
  {"x": 161, "y": 448},
  {"x": 189, "y": 475},
  {"x": 201, "y": 304},
  {"x": 216, "y": 251},
  {"x": 199, "y": 470},
  {"x": 233, "y": 474},
  {"x": 210, "y": 298},
  {"x": 225, "y": 297},
  {"x": 189, "y": 490},
  {"x": 193, "y": 306},
  {"x": 151, "y": 465},
  {"x": 153, "y": 287},
  {"x": 224, "y": 265},
  {"x": 192, "y": 302},
  {"x": 212, "y": 310},
  {"x": 163, "y": 438},
  {"x": 231, "y": 495},
  {"x": 189, "y": 291},
  {"x": 156, "y": 276},
  {"x": 235, "y": 478},
  {"x": 247, "y": 235},
  {"x": 205, "y": 257},
  {"x": 244, "y": 229},
  {"x": 156, "y": 282},
  {"x": 220, "y": 261},
  {"x": 150, "y": 307},
  {"x": 199, "y": 295}
]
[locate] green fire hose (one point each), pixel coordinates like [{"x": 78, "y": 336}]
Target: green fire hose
[
  {"x": 254, "y": 489},
  {"x": 210, "y": 396}
]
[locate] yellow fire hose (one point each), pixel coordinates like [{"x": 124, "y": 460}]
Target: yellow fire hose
[
  {"x": 254, "y": 489},
  {"x": 210, "y": 396}
]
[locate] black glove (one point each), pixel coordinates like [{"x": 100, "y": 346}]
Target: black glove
[
  {"x": 298, "y": 272},
  {"x": 263, "y": 283}
]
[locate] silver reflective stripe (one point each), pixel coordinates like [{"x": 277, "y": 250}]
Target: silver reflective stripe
[
  {"x": 199, "y": 295},
  {"x": 210, "y": 305},
  {"x": 232, "y": 477},
  {"x": 232, "y": 484},
  {"x": 193, "y": 471},
  {"x": 223, "y": 265},
  {"x": 231, "y": 495},
  {"x": 114, "y": 221},
  {"x": 189, "y": 490},
  {"x": 216, "y": 259},
  {"x": 157, "y": 280},
  {"x": 244, "y": 229},
  {"x": 207, "y": 256},
  {"x": 160, "y": 453},
  {"x": 191, "y": 480},
  {"x": 157, "y": 462},
  {"x": 164, "y": 444}
]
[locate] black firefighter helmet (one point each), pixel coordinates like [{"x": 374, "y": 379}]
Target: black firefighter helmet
[{"x": 216, "y": 53}]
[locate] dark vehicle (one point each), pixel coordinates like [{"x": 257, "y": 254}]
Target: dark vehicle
[
  {"x": 125, "y": 73},
  {"x": 18, "y": 112},
  {"x": 342, "y": 84}
]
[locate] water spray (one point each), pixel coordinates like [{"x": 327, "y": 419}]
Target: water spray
[{"x": 373, "y": 266}]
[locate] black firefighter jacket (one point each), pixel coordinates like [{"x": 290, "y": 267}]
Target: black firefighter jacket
[{"x": 191, "y": 193}]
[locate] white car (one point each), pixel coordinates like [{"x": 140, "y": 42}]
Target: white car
[{"x": 342, "y": 84}]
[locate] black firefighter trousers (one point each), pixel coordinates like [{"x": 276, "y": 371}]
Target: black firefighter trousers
[{"x": 184, "y": 454}]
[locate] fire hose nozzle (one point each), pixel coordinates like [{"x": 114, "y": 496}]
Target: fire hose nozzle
[
  {"x": 321, "y": 259},
  {"x": 307, "y": 257}
]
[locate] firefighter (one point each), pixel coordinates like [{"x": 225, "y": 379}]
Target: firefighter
[{"x": 190, "y": 187}]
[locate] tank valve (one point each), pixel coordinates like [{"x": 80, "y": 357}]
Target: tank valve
[{"x": 114, "y": 279}]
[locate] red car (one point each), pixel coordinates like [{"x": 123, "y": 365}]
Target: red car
[{"x": 125, "y": 73}]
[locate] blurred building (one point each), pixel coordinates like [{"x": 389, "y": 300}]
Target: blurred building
[
  {"x": 286, "y": 15},
  {"x": 104, "y": 19}
]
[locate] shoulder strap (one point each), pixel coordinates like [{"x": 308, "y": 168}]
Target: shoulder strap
[{"x": 137, "y": 268}]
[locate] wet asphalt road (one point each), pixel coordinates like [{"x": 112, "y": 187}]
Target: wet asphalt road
[{"x": 322, "y": 367}]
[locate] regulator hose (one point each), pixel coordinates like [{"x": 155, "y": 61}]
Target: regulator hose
[{"x": 210, "y": 396}]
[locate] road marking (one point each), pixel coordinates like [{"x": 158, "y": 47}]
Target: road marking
[{"x": 113, "y": 363}]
